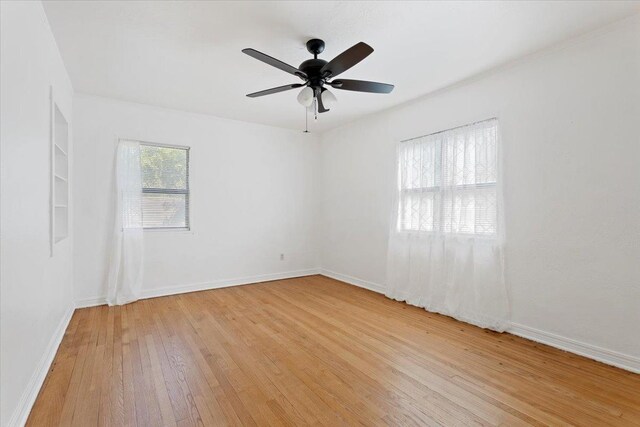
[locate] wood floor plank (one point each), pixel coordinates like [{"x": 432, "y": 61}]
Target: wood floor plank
[
  {"x": 75, "y": 383},
  {"x": 47, "y": 409},
  {"x": 315, "y": 351},
  {"x": 104, "y": 410},
  {"x": 175, "y": 364}
]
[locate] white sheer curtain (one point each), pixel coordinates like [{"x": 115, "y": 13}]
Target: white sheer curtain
[
  {"x": 125, "y": 268},
  {"x": 446, "y": 242}
]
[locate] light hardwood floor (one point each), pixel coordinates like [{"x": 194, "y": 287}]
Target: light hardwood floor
[{"x": 315, "y": 351}]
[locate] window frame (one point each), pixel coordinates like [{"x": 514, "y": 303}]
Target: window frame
[
  {"x": 186, "y": 191},
  {"x": 438, "y": 190}
]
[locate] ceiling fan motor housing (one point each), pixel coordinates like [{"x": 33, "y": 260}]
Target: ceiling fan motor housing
[{"x": 312, "y": 67}]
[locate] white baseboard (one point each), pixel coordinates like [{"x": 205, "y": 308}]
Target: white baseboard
[
  {"x": 28, "y": 398},
  {"x": 182, "y": 289},
  {"x": 610, "y": 357},
  {"x": 353, "y": 281},
  {"x": 91, "y": 302},
  {"x": 204, "y": 286}
]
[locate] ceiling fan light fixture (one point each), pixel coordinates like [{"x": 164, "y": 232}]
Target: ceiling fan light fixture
[
  {"x": 329, "y": 100},
  {"x": 305, "y": 97}
]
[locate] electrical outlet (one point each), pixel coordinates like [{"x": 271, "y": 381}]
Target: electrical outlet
[{"x": 281, "y": 257}]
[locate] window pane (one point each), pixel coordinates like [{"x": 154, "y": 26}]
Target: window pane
[
  {"x": 447, "y": 181},
  {"x": 164, "y": 210},
  {"x": 470, "y": 211},
  {"x": 486, "y": 155},
  {"x": 486, "y": 211},
  {"x": 418, "y": 211},
  {"x": 420, "y": 163},
  {"x": 163, "y": 167}
]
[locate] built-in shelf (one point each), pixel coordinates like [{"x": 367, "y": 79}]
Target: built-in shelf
[
  {"x": 60, "y": 175},
  {"x": 60, "y": 149}
]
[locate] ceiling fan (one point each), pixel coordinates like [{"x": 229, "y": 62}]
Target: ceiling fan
[{"x": 316, "y": 73}]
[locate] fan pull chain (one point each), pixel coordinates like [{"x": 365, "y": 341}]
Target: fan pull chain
[
  {"x": 306, "y": 120},
  {"x": 315, "y": 108}
]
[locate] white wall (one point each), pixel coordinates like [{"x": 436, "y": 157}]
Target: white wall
[
  {"x": 569, "y": 120},
  {"x": 36, "y": 289},
  {"x": 254, "y": 196}
]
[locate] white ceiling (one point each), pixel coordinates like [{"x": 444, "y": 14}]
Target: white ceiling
[{"x": 186, "y": 55}]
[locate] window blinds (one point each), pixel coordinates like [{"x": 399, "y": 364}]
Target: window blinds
[
  {"x": 165, "y": 186},
  {"x": 447, "y": 181}
]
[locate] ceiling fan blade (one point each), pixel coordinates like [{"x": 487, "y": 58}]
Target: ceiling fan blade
[
  {"x": 274, "y": 62},
  {"x": 274, "y": 90},
  {"x": 321, "y": 108},
  {"x": 346, "y": 59},
  {"x": 362, "y": 86}
]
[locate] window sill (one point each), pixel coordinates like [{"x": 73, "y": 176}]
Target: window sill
[
  {"x": 181, "y": 230},
  {"x": 440, "y": 235}
]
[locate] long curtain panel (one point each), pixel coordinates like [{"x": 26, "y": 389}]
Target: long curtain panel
[
  {"x": 446, "y": 242},
  {"x": 125, "y": 266}
]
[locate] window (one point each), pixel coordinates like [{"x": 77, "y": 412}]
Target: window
[
  {"x": 165, "y": 186},
  {"x": 447, "y": 181}
]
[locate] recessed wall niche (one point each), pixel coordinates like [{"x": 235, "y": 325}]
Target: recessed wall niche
[{"x": 60, "y": 175}]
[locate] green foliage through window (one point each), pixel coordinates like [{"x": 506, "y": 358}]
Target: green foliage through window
[
  {"x": 163, "y": 167},
  {"x": 165, "y": 186}
]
